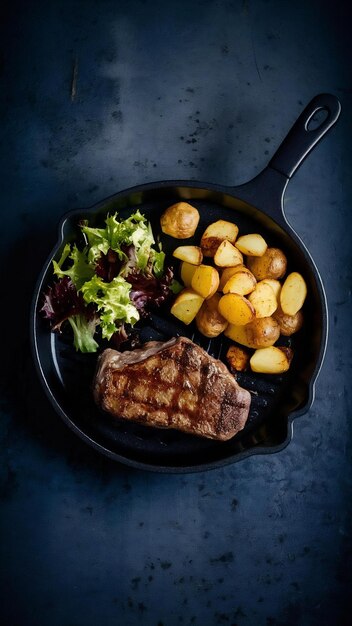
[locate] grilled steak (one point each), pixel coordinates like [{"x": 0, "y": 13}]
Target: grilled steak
[{"x": 172, "y": 385}]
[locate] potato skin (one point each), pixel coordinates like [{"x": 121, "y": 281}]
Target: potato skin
[
  {"x": 289, "y": 324},
  {"x": 262, "y": 332},
  {"x": 180, "y": 220},
  {"x": 272, "y": 264},
  {"x": 208, "y": 319}
]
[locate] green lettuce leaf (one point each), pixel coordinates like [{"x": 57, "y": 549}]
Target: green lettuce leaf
[
  {"x": 83, "y": 331},
  {"x": 133, "y": 230},
  {"x": 80, "y": 270},
  {"x": 113, "y": 301}
]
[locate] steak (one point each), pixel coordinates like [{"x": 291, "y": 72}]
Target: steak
[{"x": 173, "y": 384}]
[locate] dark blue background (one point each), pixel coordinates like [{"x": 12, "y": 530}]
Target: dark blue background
[{"x": 165, "y": 90}]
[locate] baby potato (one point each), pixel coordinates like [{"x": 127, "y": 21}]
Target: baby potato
[
  {"x": 289, "y": 324},
  {"x": 238, "y": 358},
  {"x": 262, "y": 332},
  {"x": 215, "y": 233},
  {"x": 238, "y": 334},
  {"x": 187, "y": 305},
  {"x": 191, "y": 254},
  {"x": 236, "y": 309},
  {"x": 263, "y": 300},
  {"x": 205, "y": 280},
  {"x": 252, "y": 245},
  {"x": 275, "y": 285},
  {"x": 293, "y": 293},
  {"x": 187, "y": 270},
  {"x": 241, "y": 282},
  {"x": 272, "y": 264},
  {"x": 227, "y": 272},
  {"x": 227, "y": 255},
  {"x": 259, "y": 333},
  {"x": 208, "y": 319},
  {"x": 180, "y": 220},
  {"x": 272, "y": 360}
]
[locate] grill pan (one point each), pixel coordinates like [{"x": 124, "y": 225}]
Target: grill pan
[{"x": 256, "y": 206}]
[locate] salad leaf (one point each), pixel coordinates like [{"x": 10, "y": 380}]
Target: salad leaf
[
  {"x": 116, "y": 279},
  {"x": 83, "y": 331},
  {"x": 112, "y": 301},
  {"x": 133, "y": 230},
  {"x": 149, "y": 292},
  {"x": 157, "y": 259},
  {"x": 63, "y": 302},
  {"x": 80, "y": 270}
]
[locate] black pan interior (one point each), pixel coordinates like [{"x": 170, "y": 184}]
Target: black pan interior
[{"x": 68, "y": 375}]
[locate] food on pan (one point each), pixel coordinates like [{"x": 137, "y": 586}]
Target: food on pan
[
  {"x": 260, "y": 333},
  {"x": 215, "y": 234},
  {"x": 227, "y": 255},
  {"x": 186, "y": 272},
  {"x": 252, "y": 245},
  {"x": 293, "y": 293},
  {"x": 118, "y": 277},
  {"x": 205, "y": 280},
  {"x": 208, "y": 319},
  {"x": 236, "y": 309},
  {"x": 289, "y": 324},
  {"x": 263, "y": 300},
  {"x": 191, "y": 254},
  {"x": 238, "y": 358},
  {"x": 275, "y": 285},
  {"x": 252, "y": 307},
  {"x": 172, "y": 385},
  {"x": 272, "y": 360},
  {"x": 180, "y": 220},
  {"x": 272, "y": 264},
  {"x": 242, "y": 282},
  {"x": 187, "y": 305}
]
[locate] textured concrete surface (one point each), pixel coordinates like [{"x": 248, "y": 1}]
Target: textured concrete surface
[{"x": 203, "y": 90}]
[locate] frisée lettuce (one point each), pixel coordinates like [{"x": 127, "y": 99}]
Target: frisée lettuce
[{"x": 115, "y": 279}]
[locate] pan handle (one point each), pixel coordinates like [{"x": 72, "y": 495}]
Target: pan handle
[
  {"x": 303, "y": 137},
  {"x": 266, "y": 190}
]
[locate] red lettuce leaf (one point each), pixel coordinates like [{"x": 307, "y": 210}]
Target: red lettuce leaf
[
  {"x": 61, "y": 301},
  {"x": 149, "y": 292}
]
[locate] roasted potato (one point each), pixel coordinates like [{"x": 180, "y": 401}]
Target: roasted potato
[
  {"x": 215, "y": 233},
  {"x": 227, "y": 255},
  {"x": 208, "y": 319},
  {"x": 262, "y": 332},
  {"x": 227, "y": 272},
  {"x": 236, "y": 309},
  {"x": 180, "y": 220},
  {"x": 251, "y": 245},
  {"x": 263, "y": 300},
  {"x": 272, "y": 264},
  {"x": 187, "y": 305},
  {"x": 191, "y": 254},
  {"x": 242, "y": 282},
  {"x": 187, "y": 270},
  {"x": 259, "y": 333},
  {"x": 293, "y": 293},
  {"x": 289, "y": 324},
  {"x": 272, "y": 360},
  {"x": 238, "y": 334},
  {"x": 205, "y": 280},
  {"x": 275, "y": 285},
  {"x": 237, "y": 358}
]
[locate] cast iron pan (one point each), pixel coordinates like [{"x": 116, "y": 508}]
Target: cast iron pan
[{"x": 256, "y": 206}]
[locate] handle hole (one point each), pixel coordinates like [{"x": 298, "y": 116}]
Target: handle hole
[{"x": 317, "y": 119}]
